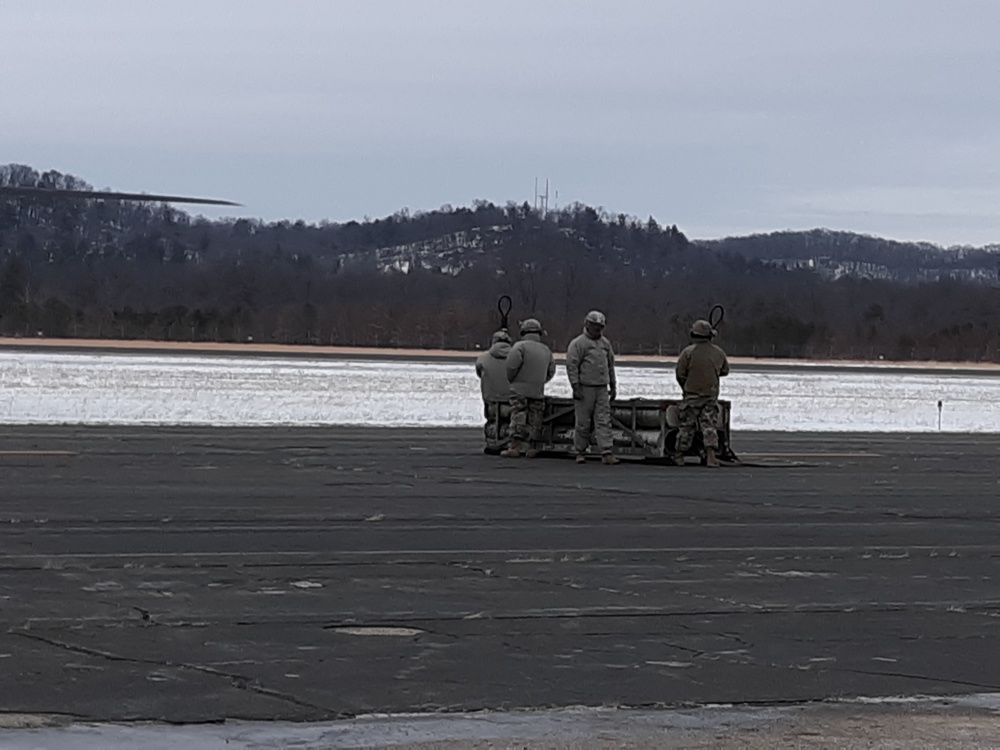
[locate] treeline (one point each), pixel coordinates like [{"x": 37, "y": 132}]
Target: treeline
[
  {"x": 899, "y": 261},
  {"x": 110, "y": 269},
  {"x": 814, "y": 243}
]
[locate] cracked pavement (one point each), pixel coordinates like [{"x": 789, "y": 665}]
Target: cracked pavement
[{"x": 312, "y": 574}]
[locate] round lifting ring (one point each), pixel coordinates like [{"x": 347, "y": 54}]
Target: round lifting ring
[
  {"x": 714, "y": 321},
  {"x": 504, "y": 305}
]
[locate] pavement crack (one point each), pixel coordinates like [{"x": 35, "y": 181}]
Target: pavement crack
[
  {"x": 986, "y": 686},
  {"x": 240, "y": 682}
]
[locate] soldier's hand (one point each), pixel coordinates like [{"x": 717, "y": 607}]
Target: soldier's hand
[
  {"x": 613, "y": 394},
  {"x": 577, "y": 393}
]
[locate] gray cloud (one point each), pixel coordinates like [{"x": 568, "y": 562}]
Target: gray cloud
[{"x": 720, "y": 116}]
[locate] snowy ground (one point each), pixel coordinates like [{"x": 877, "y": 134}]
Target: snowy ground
[
  {"x": 109, "y": 388},
  {"x": 921, "y": 722}
]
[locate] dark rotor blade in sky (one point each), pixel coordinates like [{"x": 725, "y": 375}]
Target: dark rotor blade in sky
[{"x": 33, "y": 192}]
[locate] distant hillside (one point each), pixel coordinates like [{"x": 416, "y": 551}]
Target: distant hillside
[
  {"x": 109, "y": 269},
  {"x": 835, "y": 255}
]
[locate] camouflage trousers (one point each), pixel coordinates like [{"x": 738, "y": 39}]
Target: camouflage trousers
[
  {"x": 593, "y": 417},
  {"x": 525, "y": 419},
  {"x": 495, "y": 412},
  {"x": 697, "y": 417}
]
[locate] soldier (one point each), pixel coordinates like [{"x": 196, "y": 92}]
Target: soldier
[
  {"x": 590, "y": 364},
  {"x": 491, "y": 367},
  {"x": 699, "y": 368},
  {"x": 530, "y": 365}
]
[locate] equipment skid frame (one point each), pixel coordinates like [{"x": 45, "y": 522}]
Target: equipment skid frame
[{"x": 642, "y": 428}]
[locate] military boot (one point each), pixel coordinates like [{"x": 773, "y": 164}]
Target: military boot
[
  {"x": 711, "y": 460},
  {"x": 609, "y": 459},
  {"x": 531, "y": 453},
  {"x": 678, "y": 459},
  {"x": 512, "y": 452},
  {"x": 580, "y": 458}
]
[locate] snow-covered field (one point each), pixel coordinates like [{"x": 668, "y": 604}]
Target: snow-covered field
[{"x": 47, "y": 387}]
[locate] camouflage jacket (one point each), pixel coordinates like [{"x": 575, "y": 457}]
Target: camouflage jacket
[
  {"x": 590, "y": 362},
  {"x": 530, "y": 365},
  {"x": 491, "y": 367},
  {"x": 699, "y": 368}
]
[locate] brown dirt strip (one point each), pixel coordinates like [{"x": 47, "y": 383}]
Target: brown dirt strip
[{"x": 211, "y": 347}]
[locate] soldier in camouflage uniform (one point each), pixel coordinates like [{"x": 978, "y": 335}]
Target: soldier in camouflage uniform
[
  {"x": 699, "y": 368},
  {"x": 590, "y": 366},
  {"x": 530, "y": 365},
  {"x": 491, "y": 367}
]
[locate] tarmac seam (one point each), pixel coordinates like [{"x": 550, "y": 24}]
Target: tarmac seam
[
  {"x": 580, "y": 487},
  {"x": 325, "y": 622},
  {"x": 400, "y": 555},
  {"x": 660, "y": 519}
]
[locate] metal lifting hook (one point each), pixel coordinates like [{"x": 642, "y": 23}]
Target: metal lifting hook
[{"x": 504, "y": 310}]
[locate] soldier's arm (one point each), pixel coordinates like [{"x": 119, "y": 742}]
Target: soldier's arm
[
  {"x": 514, "y": 362},
  {"x": 682, "y": 368},
  {"x": 479, "y": 370},
  {"x": 573, "y": 364},
  {"x": 725, "y": 366},
  {"x": 611, "y": 368}
]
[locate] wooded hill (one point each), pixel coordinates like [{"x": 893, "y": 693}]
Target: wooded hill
[{"x": 112, "y": 269}]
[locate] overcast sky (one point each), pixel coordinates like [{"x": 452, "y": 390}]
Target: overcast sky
[{"x": 725, "y": 117}]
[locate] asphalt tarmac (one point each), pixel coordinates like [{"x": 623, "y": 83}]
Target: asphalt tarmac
[{"x": 311, "y": 574}]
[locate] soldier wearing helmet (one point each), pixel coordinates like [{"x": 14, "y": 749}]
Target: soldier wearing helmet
[
  {"x": 699, "y": 368},
  {"x": 590, "y": 365},
  {"x": 491, "y": 367},
  {"x": 530, "y": 365}
]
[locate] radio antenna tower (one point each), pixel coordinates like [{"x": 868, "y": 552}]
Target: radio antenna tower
[{"x": 542, "y": 199}]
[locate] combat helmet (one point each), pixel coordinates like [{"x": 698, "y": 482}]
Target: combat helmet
[
  {"x": 531, "y": 325},
  {"x": 596, "y": 317},
  {"x": 702, "y": 329}
]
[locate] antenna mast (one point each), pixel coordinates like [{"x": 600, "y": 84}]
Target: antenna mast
[{"x": 542, "y": 199}]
